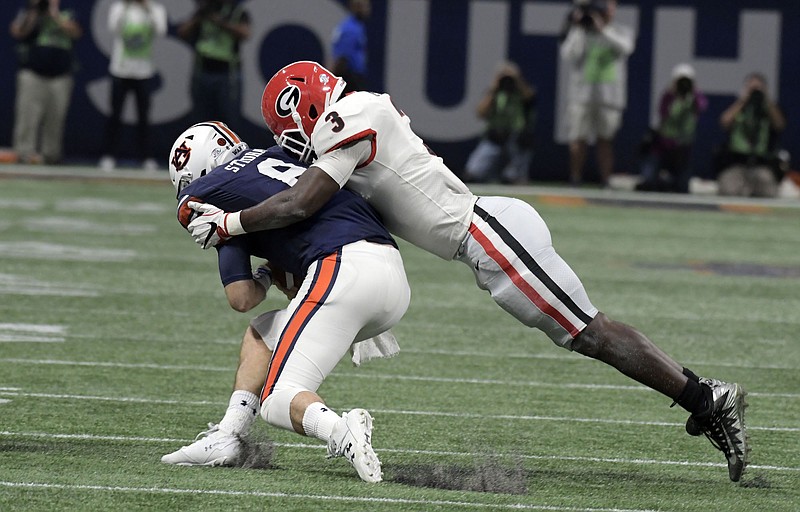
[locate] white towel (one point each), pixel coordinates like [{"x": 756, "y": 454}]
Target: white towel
[
  {"x": 271, "y": 323},
  {"x": 382, "y": 345}
]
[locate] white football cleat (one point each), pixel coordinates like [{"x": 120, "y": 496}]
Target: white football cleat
[
  {"x": 211, "y": 448},
  {"x": 352, "y": 439}
]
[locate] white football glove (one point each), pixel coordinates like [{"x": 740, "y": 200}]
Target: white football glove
[
  {"x": 263, "y": 276},
  {"x": 213, "y": 226}
]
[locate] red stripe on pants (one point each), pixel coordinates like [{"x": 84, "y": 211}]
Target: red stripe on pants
[{"x": 521, "y": 284}]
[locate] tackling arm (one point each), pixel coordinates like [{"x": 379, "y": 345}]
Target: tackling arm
[
  {"x": 213, "y": 226},
  {"x": 313, "y": 189}
]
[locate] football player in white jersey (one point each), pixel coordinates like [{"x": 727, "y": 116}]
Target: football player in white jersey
[{"x": 361, "y": 141}]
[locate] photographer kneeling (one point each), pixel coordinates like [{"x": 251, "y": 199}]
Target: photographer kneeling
[
  {"x": 749, "y": 164},
  {"x": 509, "y": 109},
  {"x": 666, "y": 151}
]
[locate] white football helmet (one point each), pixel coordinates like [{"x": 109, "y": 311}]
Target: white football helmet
[{"x": 200, "y": 149}]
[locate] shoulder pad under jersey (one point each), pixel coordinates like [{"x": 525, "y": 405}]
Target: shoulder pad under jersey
[{"x": 348, "y": 120}]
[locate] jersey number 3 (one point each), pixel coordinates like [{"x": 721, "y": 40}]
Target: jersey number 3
[
  {"x": 338, "y": 122},
  {"x": 280, "y": 170}
]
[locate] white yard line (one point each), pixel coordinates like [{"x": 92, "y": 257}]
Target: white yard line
[
  {"x": 31, "y": 333},
  {"x": 556, "y": 355},
  {"x": 21, "y": 338},
  {"x": 36, "y": 250},
  {"x": 350, "y": 374},
  {"x": 440, "y": 453},
  {"x": 319, "y": 497},
  {"x": 39, "y": 328},
  {"x": 462, "y": 415},
  {"x": 564, "y": 356}
]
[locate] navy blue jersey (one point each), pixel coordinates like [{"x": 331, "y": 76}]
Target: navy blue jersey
[{"x": 253, "y": 177}]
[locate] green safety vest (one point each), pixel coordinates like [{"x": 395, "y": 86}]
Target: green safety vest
[
  {"x": 137, "y": 40},
  {"x": 51, "y": 35},
  {"x": 215, "y": 43},
  {"x": 750, "y": 133},
  {"x": 681, "y": 122},
  {"x": 599, "y": 67},
  {"x": 508, "y": 114}
]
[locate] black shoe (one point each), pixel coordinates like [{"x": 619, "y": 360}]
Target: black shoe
[{"x": 723, "y": 424}]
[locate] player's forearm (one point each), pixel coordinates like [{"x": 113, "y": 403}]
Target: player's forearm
[
  {"x": 275, "y": 212},
  {"x": 313, "y": 189}
]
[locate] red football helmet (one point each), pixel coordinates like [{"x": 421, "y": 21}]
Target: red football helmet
[{"x": 293, "y": 100}]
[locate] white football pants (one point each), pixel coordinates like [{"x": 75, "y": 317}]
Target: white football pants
[
  {"x": 510, "y": 251},
  {"x": 348, "y": 296}
]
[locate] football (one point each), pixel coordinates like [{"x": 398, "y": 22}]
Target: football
[{"x": 285, "y": 281}]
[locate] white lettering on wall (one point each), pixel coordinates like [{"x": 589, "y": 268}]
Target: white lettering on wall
[
  {"x": 406, "y": 64},
  {"x": 406, "y": 54}
]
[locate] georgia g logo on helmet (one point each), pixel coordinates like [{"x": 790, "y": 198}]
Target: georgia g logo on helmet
[{"x": 287, "y": 101}]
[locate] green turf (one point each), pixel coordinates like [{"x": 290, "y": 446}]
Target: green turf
[{"x": 141, "y": 347}]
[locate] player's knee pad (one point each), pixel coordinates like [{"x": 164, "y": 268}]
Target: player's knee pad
[{"x": 276, "y": 408}]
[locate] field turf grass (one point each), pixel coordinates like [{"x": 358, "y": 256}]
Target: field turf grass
[{"x": 117, "y": 346}]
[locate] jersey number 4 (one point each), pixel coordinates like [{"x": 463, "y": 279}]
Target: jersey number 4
[{"x": 280, "y": 170}]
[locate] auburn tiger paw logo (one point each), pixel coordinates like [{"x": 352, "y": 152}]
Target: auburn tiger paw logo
[{"x": 181, "y": 156}]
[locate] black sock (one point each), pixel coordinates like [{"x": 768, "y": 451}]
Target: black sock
[
  {"x": 689, "y": 373},
  {"x": 693, "y": 398}
]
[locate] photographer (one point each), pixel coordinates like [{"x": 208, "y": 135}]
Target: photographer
[
  {"x": 45, "y": 35},
  {"x": 509, "y": 109},
  {"x": 216, "y": 30},
  {"x": 753, "y": 123},
  {"x": 596, "y": 49},
  {"x": 135, "y": 25},
  {"x": 667, "y": 151}
]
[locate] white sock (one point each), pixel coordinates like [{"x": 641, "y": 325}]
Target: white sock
[
  {"x": 242, "y": 412},
  {"x": 318, "y": 421}
]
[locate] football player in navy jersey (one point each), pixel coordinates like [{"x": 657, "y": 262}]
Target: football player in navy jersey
[{"x": 352, "y": 289}]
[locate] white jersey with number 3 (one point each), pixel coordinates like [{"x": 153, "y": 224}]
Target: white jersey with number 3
[
  {"x": 419, "y": 198},
  {"x": 364, "y": 142}
]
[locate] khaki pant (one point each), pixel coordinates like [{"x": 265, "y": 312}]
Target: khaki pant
[
  {"x": 41, "y": 109},
  {"x": 741, "y": 180}
]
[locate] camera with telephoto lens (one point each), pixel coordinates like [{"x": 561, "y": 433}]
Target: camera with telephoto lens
[
  {"x": 756, "y": 101},
  {"x": 684, "y": 85},
  {"x": 756, "y": 97},
  {"x": 207, "y": 7},
  {"x": 41, "y": 6},
  {"x": 507, "y": 83},
  {"x": 588, "y": 7}
]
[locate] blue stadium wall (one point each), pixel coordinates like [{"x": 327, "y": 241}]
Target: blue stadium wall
[{"x": 436, "y": 57}]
